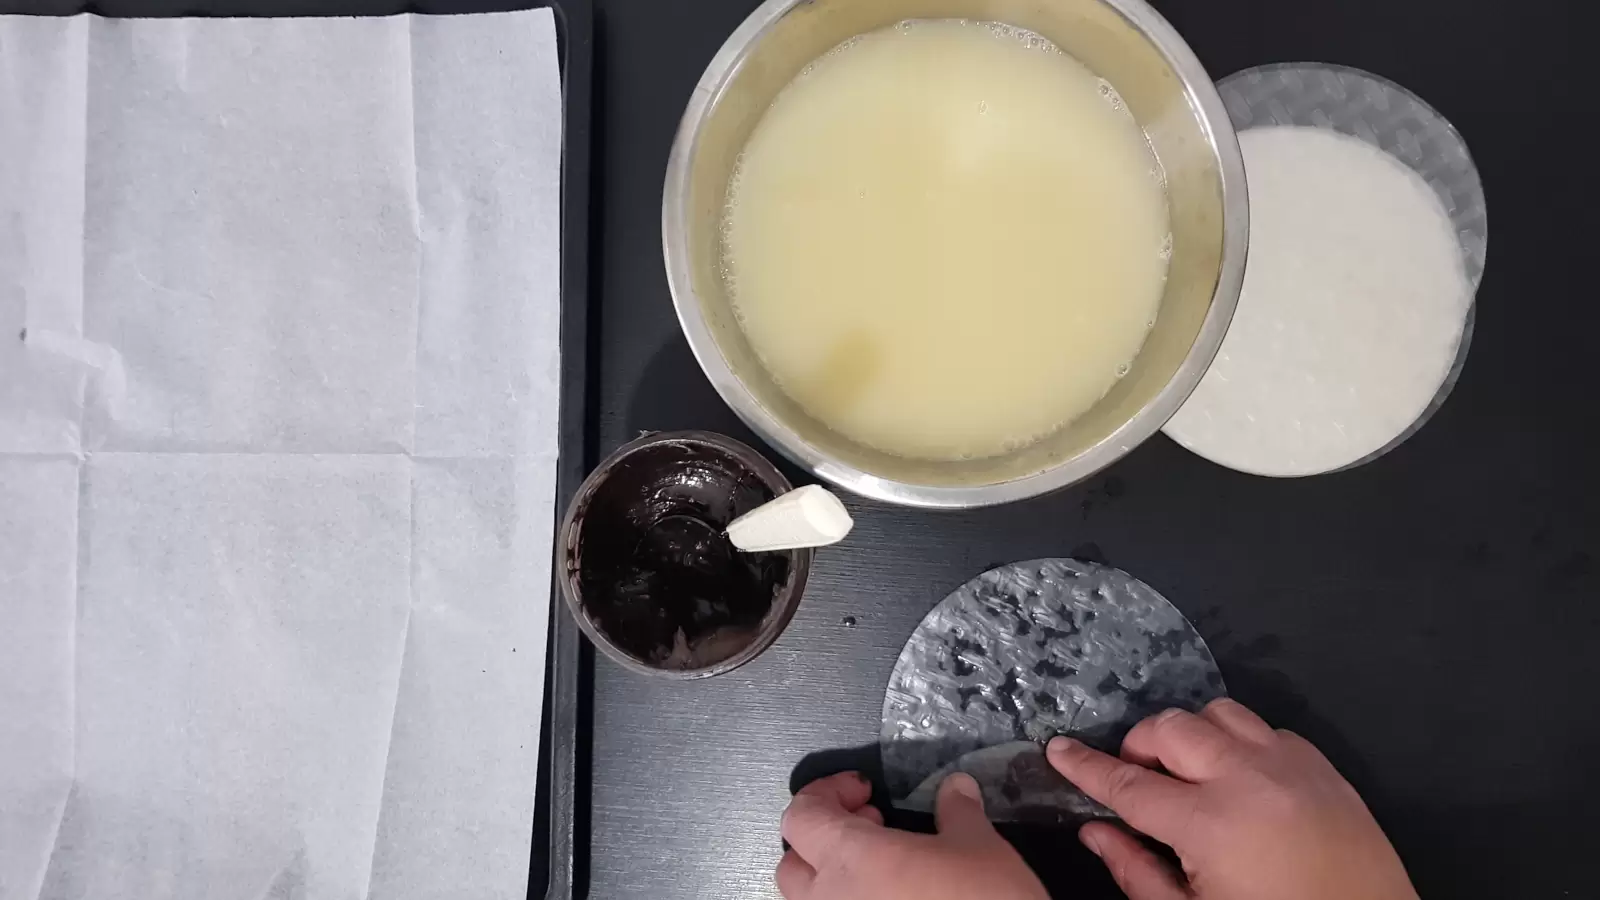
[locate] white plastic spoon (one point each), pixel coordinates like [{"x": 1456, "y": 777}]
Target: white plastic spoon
[{"x": 806, "y": 517}]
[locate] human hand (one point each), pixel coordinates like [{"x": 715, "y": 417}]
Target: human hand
[
  {"x": 842, "y": 851},
  {"x": 1253, "y": 813}
]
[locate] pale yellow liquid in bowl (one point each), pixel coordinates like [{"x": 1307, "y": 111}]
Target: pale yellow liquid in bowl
[{"x": 946, "y": 240}]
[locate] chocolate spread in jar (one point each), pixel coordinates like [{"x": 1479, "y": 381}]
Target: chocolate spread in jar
[{"x": 658, "y": 575}]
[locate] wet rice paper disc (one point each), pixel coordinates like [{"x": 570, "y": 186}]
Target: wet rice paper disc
[
  {"x": 1018, "y": 786},
  {"x": 1020, "y": 654},
  {"x": 1351, "y": 329}
]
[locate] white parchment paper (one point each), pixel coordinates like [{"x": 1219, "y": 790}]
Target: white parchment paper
[{"x": 279, "y": 313}]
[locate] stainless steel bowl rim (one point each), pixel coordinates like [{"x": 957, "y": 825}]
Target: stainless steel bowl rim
[{"x": 1216, "y": 125}]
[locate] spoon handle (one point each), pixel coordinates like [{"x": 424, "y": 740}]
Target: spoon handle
[{"x": 810, "y": 516}]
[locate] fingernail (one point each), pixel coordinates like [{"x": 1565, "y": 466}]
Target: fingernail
[
  {"x": 1086, "y": 836},
  {"x": 1168, "y": 713},
  {"x": 1060, "y": 744},
  {"x": 965, "y": 785}
]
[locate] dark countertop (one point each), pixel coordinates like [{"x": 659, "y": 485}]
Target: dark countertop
[{"x": 1430, "y": 619}]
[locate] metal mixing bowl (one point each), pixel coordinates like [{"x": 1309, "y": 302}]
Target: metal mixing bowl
[{"x": 1123, "y": 41}]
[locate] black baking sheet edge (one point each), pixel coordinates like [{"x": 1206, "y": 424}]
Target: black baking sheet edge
[
  {"x": 561, "y": 822},
  {"x": 556, "y": 865}
]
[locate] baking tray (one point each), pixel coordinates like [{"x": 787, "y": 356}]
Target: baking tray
[{"x": 554, "y": 850}]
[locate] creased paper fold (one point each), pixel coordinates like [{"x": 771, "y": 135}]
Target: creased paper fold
[{"x": 279, "y": 316}]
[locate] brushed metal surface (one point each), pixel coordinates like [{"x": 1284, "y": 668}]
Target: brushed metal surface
[
  {"x": 1174, "y": 102},
  {"x": 1358, "y": 609},
  {"x": 689, "y": 780}
]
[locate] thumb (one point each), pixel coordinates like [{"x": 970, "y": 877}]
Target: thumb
[
  {"x": 958, "y": 810},
  {"x": 1141, "y": 874}
]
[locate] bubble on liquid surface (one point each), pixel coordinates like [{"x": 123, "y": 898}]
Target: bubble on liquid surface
[
  {"x": 1029, "y": 39},
  {"x": 1110, "y": 95}
]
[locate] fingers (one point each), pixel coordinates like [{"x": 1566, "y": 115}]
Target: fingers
[
  {"x": 794, "y": 876},
  {"x": 1236, "y": 719},
  {"x": 958, "y": 810},
  {"x": 1190, "y": 747},
  {"x": 871, "y": 814},
  {"x": 851, "y": 790},
  {"x": 1148, "y": 801},
  {"x": 822, "y": 817},
  {"x": 1141, "y": 874}
]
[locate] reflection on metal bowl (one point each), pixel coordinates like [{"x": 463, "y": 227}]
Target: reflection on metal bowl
[{"x": 1169, "y": 95}]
